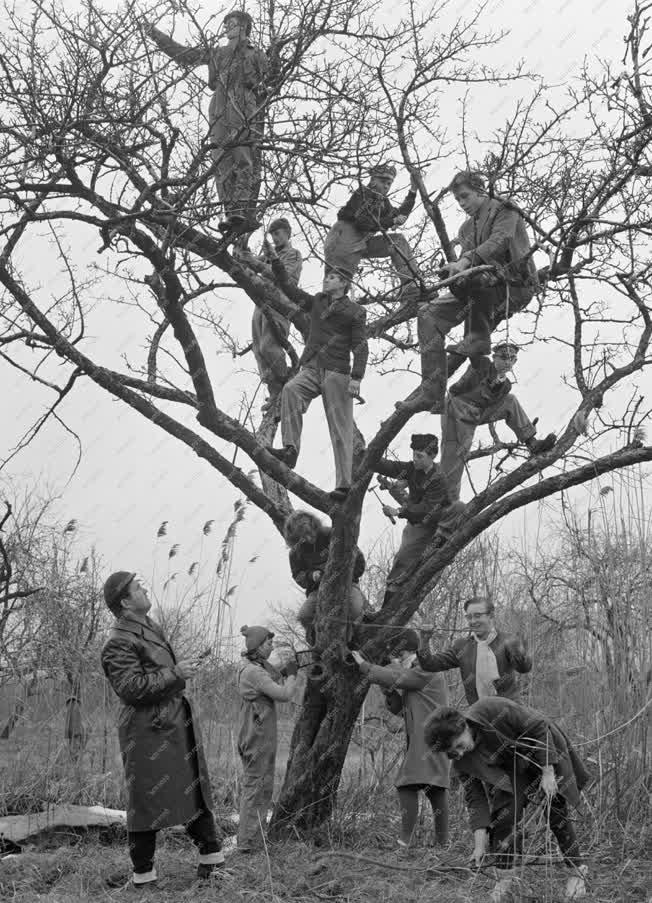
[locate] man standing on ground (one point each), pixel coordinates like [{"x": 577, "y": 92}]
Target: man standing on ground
[
  {"x": 487, "y": 658},
  {"x": 237, "y": 75},
  {"x": 165, "y": 769},
  {"x": 367, "y": 212},
  {"x": 337, "y": 332},
  {"x": 494, "y": 233},
  {"x": 427, "y": 506},
  {"x": 484, "y": 395},
  {"x": 502, "y": 751}
]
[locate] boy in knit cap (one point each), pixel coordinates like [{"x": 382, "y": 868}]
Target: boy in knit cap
[
  {"x": 484, "y": 395},
  {"x": 259, "y": 686},
  {"x": 337, "y": 333},
  {"x": 355, "y": 237}
]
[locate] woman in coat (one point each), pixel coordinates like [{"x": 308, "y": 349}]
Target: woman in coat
[
  {"x": 417, "y": 694},
  {"x": 308, "y": 540},
  {"x": 260, "y": 689}
]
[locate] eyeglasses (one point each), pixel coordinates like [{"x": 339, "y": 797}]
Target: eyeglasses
[{"x": 477, "y": 614}]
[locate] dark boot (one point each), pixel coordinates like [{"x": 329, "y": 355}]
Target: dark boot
[
  {"x": 206, "y": 872},
  {"x": 539, "y": 446},
  {"x": 472, "y": 344},
  {"x": 287, "y": 455},
  {"x": 339, "y": 494}
]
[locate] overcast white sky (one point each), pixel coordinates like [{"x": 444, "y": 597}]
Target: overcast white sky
[{"x": 132, "y": 476}]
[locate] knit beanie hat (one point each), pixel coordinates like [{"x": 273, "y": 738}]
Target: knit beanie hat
[
  {"x": 426, "y": 442},
  {"x": 255, "y": 636}
]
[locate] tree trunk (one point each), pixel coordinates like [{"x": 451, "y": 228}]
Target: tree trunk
[{"x": 318, "y": 749}]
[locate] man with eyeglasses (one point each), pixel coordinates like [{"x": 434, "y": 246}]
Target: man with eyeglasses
[{"x": 488, "y": 659}]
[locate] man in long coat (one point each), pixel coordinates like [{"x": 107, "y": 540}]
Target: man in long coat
[
  {"x": 415, "y": 694},
  {"x": 503, "y": 752},
  {"x": 484, "y": 395},
  {"x": 237, "y": 75},
  {"x": 493, "y": 233},
  {"x": 488, "y": 659},
  {"x": 165, "y": 769}
]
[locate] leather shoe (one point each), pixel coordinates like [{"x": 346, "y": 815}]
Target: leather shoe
[
  {"x": 539, "y": 446},
  {"x": 287, "y": 455}
]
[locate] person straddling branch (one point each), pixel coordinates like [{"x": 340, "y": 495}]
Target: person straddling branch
[
  {"x": 237, "y": 75},
  {"x": 484, "y": 395},
  {"x": 427, "y": 506},
  {"x": 488, "y": 659},
  {"x": 494, "y": 233},
  {"x": 503, "y": 752},
  {"x": 367, "y": 212},
  {"x": 336, "y": 332},
  {"x": 415, "y": 694},
  {"x": 269, "y": 328},
  {"x": 309, "y": 541},
  {"x": 165, "y": 770},
  {"x": 259, "y": 686}
]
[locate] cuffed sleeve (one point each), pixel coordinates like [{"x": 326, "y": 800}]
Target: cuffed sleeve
[
  {"x": 476, "y": 800},
  {"x": 188, "y": 57},
  {"x": 438, "y": 661}
]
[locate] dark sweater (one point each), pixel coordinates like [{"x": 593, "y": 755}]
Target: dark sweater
[
  {"x": 337, "y": 328},
  {"x": 370, "y": 211},
  {"x": 307, "y": 557},
  {"x": 427, "y": 492}
]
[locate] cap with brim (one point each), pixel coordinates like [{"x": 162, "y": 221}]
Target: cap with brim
[
  {"x": 115, "y": 586},
  {"x": 383, "y": 169}
]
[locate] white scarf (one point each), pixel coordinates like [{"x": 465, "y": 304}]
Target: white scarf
[{"x": 486, "y": 666}]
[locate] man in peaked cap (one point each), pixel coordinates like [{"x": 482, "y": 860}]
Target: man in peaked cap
[
  {"x": 269, "y": 328},
  {"x": 237, "y": 75},
  {"x": 165, "y": 769},
  {"x": 426, "y": 505},
  {"x": 367, "y": 212},
  {"x": 484, "y": 395}
]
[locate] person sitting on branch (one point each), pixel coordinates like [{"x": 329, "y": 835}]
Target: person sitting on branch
[
  {"x": 309, "y": 540},
  {"x": 484, "y": 395},
  {"x": 502, "y": 752},
  {"x": 336, "y": 332},
  {"x": 487, "y": 658},
  {"x": 427, "y": 506},
  {"x": 495, "y": 234},
  {"x": 269, "y": 328},
  {"x": 367, "y": 212},
  {"x": 237, "y": 75},
  {"x": 416, "y": 695}
]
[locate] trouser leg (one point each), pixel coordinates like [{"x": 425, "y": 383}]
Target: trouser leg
[
  {"x": 343, "y": 248},
  {"x": 295, "y": 399},
  {"x": 306, "y": 616},
  {"x": 242, "y": 156},
  {"x": 142, "y": 846},
  {"x": 438, "y": 799},
  {"x": 414, "y": 541},
  {"x": 504, "y": 830},
  {"x": 408, "y": 798},
  {"x": 266, "y": 332},
  {"x": 256, "y": 795},
  {"x": 396, "y": 247},
  {"x": 478, "y": 324},
  {"x": 203, "y": 834},
  {"x": 457, "y": 438},
  {"x": 562, "y": 827},
  {"x": 511, "y": 411},
  {"x": 434, "y": 322},
  {"x": 338, "y": 405}
]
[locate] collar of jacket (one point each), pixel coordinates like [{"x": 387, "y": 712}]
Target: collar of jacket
[
  {"x": 332, "y": 306},
  {"x": 127, "y": 624}
]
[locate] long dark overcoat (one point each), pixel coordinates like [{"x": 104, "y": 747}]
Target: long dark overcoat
[{"x": 165, "y": 769}]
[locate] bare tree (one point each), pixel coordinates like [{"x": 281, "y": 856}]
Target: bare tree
[{"x": 103, "y": 136}]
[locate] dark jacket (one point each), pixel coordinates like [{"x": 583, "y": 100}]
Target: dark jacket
[
  {"x": 510, "y": 657},
  {"x": 427, "y": 492},
  {"x": 513, "y": 743},
  {"x": 307, "y": 557},
  {"x": 481, "y": 389},
  {"x": 370, "y": 211},
  {"x": 497, "y": 234},
  {"x": 166, "y": 781},
  {"x": 337, "y": 328}
]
